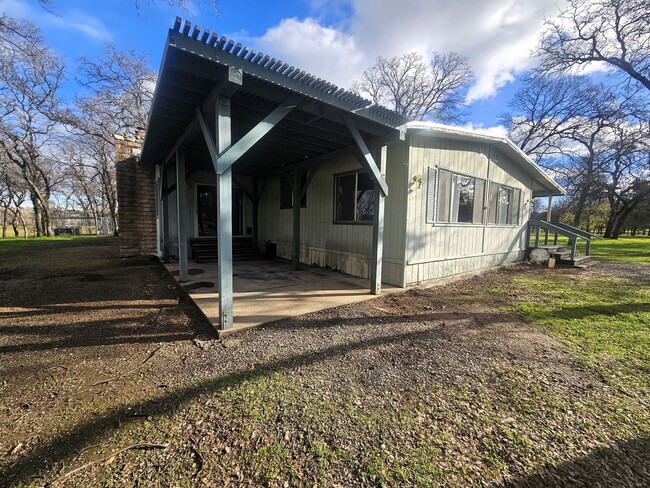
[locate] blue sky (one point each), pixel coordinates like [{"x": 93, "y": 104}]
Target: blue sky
[{"x": 333, "y": 39}]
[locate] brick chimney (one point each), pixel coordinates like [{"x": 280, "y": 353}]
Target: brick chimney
[{"x": 136, "y": 197}]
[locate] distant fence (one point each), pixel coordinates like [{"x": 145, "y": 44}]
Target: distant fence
[{"x": 78, "y": 226}]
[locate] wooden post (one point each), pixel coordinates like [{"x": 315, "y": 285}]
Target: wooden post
[
  {"x": 378, "y": 227},
  {"x": 296, "y": 196},
  {"x": 549, "y": 209},
  {"x": 256, "y": 213},
  {"x": 165, "y": 216},
  {"x": 537, "y": 236},
  {"x": 224, "y": 216},
  {"x": 574, "y": 248},
  {"x": 181, "y": 205}
]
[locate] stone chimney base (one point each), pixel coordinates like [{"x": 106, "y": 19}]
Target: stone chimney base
[{"x": 136, "y": 197}]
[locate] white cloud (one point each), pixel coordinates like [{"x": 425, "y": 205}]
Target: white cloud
[
  {"x": 496, "y": 35},
  {"x": 80, "y": 22},
  {"x": 73, "y": 20},
  {"x": 323, "y": 51},
  {"x": 495, "y": 131}
]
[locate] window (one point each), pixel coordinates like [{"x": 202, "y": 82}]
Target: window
[
  {"x": 286, "y": 191},
  {"x": 504, "y": 205},
  {"x": 354, "y": 197},
  {"x": 459, "y": 199}
]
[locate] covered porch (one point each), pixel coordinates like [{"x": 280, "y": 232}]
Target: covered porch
[
  {"x": 247, "y": 118},
  {"x": 265, "y": 291}
]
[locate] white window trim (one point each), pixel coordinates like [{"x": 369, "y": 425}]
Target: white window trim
[{"x": 451, "y": 196}]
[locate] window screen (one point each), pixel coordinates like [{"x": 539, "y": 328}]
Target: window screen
[
  {"x": 444, "y": 195},
  {"x": 459, "y": 199},
  {"x": 505, "y": 203}
]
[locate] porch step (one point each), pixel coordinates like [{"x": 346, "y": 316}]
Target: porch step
[
  {"x": 562, "y": 255},
  {"x": 205, "y": 249},
  {"x": 578, "y": 262}
]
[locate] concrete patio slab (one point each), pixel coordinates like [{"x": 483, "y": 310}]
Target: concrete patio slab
[{"x": 266, "y": 291}]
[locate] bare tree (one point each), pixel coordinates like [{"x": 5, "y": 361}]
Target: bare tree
[
  {"x": 614, "y": 32},
  {"x": 30, "y": 77},
  {"x": 547, "y": 111},
  {"x": 560, "y": 120},
  {"x": 120, "y": 91},
  {"x": 626, "y": 162},
  {"x": 13, "y": 194},
  {"x": 419, "y": 89}
]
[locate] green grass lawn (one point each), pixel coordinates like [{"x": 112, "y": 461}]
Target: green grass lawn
[
  {"x": 604, "y": 321},
  {"x": 628, "y": 249},
  {"x": 57, "y": 255}
]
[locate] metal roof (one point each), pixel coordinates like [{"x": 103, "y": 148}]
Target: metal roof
[
  {"x": 546, "y": 186},
  {"x": 195, "y": 61}
]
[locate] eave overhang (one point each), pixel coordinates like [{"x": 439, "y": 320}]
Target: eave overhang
[{"x": 195, "y": 62}]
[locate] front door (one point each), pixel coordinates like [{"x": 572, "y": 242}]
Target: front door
[{"x": 206, "y": 209}]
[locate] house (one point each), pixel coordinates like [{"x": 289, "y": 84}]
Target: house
[{"x": 271, "y": 155}]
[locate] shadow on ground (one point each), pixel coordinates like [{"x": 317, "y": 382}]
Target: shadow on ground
[{"x": 623, "y": 464}]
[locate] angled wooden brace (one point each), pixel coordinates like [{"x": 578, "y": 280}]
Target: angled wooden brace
[
  {"x": 224, "y": 161},
  {"x": 366, "y": 159}
]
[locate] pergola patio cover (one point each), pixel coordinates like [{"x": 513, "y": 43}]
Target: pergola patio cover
[{"x": 223, "y": 107}]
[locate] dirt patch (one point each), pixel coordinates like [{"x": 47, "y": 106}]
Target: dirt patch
[
  {"x": 618, "y": 269},
  {"x": 120, "y": 377}
]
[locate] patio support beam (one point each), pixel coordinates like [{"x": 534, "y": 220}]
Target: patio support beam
[
  {"x": 253, "y": 196},
  {"x": 228, "y": 157},
  {"x": 224, "y": 216},
  {"x": 296, "y": 197},
  {"x": 378, "y": 227},
  {"x": 310, "y": 177},
  {"x": 165, "y": 215},
  {"x": 316, "y": 160},
  {"x": 181, "y": 205},
  {"x": 256, "y": 213},
  {"x": 366, "y": 159}
]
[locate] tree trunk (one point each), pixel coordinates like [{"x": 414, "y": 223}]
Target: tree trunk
[
  {"x": 37, "y": 216},
  {"x": 622, "y": 216},
  {"x": 580, "y": 205},
  {"x": 611, "y": 220},
  {"x": 47, "y": 221},
  {"x": 24, "y": 224},
  {"x": 4, "y": 223}
]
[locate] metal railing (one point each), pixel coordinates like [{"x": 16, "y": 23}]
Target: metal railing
[{"x": 559, "y": 229}]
